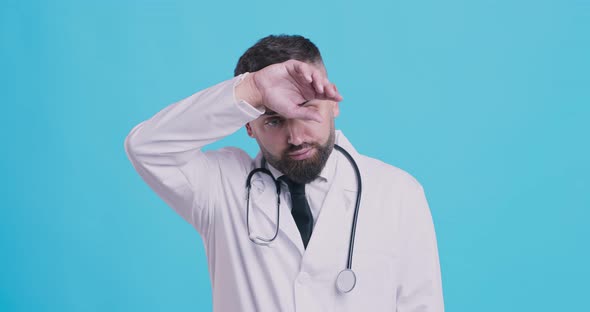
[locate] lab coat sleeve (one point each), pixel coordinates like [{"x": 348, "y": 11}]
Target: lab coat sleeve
[
  {"x": 166, "y": 149},
  {"x": 420, "y": 287}
]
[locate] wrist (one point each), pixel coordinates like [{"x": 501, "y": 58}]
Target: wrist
[{"x": 247, "y": 91}]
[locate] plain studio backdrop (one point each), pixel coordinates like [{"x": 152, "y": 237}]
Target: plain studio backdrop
[{"x": 486, "y": 103}]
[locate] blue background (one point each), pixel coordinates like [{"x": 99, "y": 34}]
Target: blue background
[{"x": 486, "y": 103}]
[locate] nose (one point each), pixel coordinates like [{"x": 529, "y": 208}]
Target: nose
[{"x": 296, "y": 132}]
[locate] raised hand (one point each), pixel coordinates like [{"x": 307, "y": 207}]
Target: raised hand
[{"x": 283, "y": 87}]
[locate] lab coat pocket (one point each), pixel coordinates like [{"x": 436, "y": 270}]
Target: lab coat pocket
[
  {"x": 374, "y": 270},
  {"x": 375, "y": 285}
]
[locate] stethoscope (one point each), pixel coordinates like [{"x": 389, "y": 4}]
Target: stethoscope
[{"x": 346, "y": 279}]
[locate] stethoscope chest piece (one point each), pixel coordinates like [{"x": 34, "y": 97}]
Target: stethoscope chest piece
[{"x": 346, "y": 280}]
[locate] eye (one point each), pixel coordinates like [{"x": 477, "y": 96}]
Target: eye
[{"x": 273, "y": 122}]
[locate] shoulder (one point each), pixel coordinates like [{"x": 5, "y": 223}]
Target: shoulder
[
  {"x": 387, "y": 174},
  {"x": 231, "y": 159},
  {"x": 395, "y": 184}
]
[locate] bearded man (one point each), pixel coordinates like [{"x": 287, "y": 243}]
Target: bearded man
[{"x": 289, "y": 229}]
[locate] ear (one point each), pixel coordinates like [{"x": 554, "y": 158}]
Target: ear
[
  {"x": 335, "y": 109},
  {"x": 249, "y": 130}
]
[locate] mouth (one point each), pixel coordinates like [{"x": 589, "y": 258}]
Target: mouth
[{"x": 302, "y": 153}]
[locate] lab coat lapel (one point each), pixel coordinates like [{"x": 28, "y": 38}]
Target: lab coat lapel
[
  {"x": 329, "y": 242},
  {"x": 332, "y": 230}
]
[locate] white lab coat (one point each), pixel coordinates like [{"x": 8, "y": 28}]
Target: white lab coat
[{"x": 395, "y": 256}]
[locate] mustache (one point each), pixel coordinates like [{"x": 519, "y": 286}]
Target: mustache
[{"x": 294, "y": 148}]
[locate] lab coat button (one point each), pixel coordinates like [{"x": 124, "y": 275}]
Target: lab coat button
[{"x": 303, "y": 278}]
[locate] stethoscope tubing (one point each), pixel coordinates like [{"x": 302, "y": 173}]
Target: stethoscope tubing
[
  {"x": 278, "y": 188},
  {"x": 356, "y": 206}
]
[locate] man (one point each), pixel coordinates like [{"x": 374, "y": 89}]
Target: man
[{"x": 282, "y": 95}]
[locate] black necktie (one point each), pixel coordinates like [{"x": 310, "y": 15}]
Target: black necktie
[{"x": 300, "y": 209}]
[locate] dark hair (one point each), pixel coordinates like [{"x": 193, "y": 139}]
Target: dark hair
[{"x": 277, "y": 49}]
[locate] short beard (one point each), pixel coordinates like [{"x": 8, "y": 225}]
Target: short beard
[{"x": 305, "y": 170}]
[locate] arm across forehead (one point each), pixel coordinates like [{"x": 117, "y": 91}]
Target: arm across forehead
[{"x": 270, "y": 112}]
